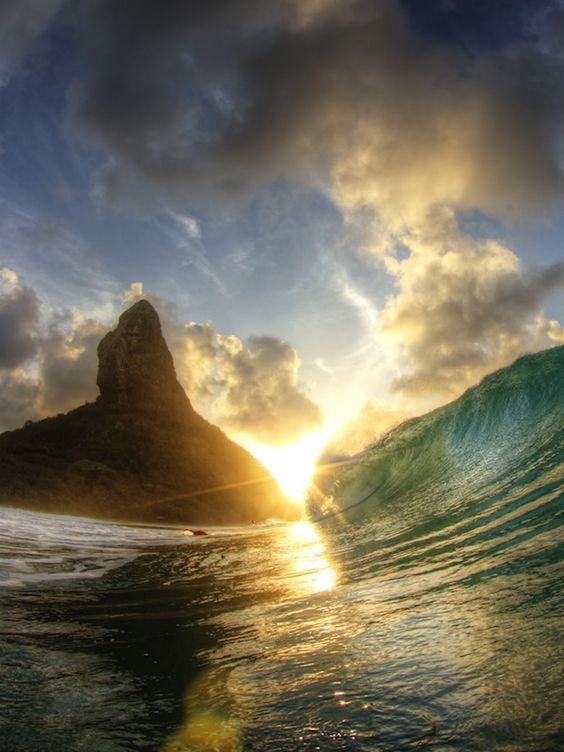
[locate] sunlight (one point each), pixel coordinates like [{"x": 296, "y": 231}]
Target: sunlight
[
  {"x": 292, "y": 465},
  {"x": 310, "y": 561}
]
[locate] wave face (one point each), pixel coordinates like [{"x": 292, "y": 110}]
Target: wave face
[
  {"x": 496, "y": 450},
  {"x": 450, "y": 532}
]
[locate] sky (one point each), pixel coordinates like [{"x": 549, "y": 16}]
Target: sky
[{"x": 343, "y": 210}]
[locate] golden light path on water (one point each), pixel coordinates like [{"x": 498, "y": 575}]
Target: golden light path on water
[
  {"x": 211, "y": 722},
  {"x": 300, "y": 561},
  {"x": 312, "y": 569}
]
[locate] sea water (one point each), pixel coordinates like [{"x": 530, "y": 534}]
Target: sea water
[
  {"x": 419, "y": 605},
  {"x": 281, "y": 637}
]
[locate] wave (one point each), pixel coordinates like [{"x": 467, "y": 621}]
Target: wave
[
  {"x": 37, "y": 547},
  {"x": 496, "y": 449}
]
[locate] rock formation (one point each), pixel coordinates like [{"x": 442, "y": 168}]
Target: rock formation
[
  {"x": 135, "y": 368},
  {"x": 140, "y": 452}
]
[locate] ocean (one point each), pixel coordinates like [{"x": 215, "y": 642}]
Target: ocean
[{"x": 419, "y": 604}]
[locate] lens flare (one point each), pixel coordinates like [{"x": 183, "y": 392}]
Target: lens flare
[{"x": 292, "y": 465}]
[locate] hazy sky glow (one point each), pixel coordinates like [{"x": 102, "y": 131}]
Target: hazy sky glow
[{"x": 328, "y": 201}]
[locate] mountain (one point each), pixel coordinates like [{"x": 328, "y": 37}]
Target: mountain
[{"x": 140, "y": 452}]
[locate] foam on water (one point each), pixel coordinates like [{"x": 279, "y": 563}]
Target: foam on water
[{"x": 35, "y": 547}]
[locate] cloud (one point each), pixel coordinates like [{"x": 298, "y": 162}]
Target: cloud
[
  {"x": 9, "y": 276},
  {"x": 247, "y": 386},
  {"x": 134, "y": 293},
  {"x": 556, "y": 332},
  {"x": 68, "y": 363},
  {"x": 18, "y": 399},
  {"x": 223, "y": 96},
  {"x": 189, "y": 225},
  {"x": 373, "y": 421},
  {"x": 463, "y": 307},
  {"x": 21, "y": 23},
  {"x": 19, "y": 319},
  {"x": 220, "y": 98},
  {"x": 46, "y": 367},
  {"x": 263, "y": 397},
  {"x": 50, "y": 366}
]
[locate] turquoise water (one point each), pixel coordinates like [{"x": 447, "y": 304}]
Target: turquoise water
[{"x": 423, "y": 609}]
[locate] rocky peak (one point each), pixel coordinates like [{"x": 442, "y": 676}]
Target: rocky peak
[{"x": 135, "y": 369}]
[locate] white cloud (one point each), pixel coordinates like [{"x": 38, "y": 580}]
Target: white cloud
[
  {"x": 9, "y": 276},
  {"x": 245, "y": 386},
  {"x": 189, "y": 224},
  {"x": 556, "y": 332},
  {"x": 134, "y": 292},
  {"x": 463, "y": 307}
]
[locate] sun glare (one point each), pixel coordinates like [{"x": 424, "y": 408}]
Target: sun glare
[
  {"x": 292, "y": 465},
  {"x": 310, "y": 561}
]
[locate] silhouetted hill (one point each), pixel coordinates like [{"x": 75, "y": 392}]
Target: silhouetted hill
[{"x": 140, "y": 452}]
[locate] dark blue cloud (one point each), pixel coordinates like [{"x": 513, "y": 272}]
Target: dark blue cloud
[{"x": 476, "y": 26}]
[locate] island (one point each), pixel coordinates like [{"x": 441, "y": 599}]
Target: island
[{"x": 140, "y": 452}]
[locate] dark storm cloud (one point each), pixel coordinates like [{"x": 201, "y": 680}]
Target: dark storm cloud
[
  {"x": 19, "y": 319},
  {"x": 154, "y": 96},
  {"x": 18, "y": 399},
  {"x": 475, "y": 25},
  {"x": 45, "y": 368},
  {"x": 548, "y": 24},
  {"x": 21, "y": 23},
  {"x": 68, "y": 364},
  {"x": 224, "y": 95}
]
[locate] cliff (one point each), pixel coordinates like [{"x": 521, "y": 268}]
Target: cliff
[{"x": 140, "y": 452}]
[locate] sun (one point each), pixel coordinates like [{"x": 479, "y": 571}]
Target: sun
[{"x": 292, "y": 465}]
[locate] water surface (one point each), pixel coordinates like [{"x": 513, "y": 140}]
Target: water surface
[
  {"x": 286, "y": 637},
  {"x": 423, "y": 610}
]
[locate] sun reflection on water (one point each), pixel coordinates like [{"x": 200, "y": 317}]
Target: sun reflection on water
[
  {"x": 310, "y": 562},
  {"x": 215, "y": 703}
]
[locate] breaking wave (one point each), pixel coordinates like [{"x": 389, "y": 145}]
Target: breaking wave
[{"x": 480, "y": 479}]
